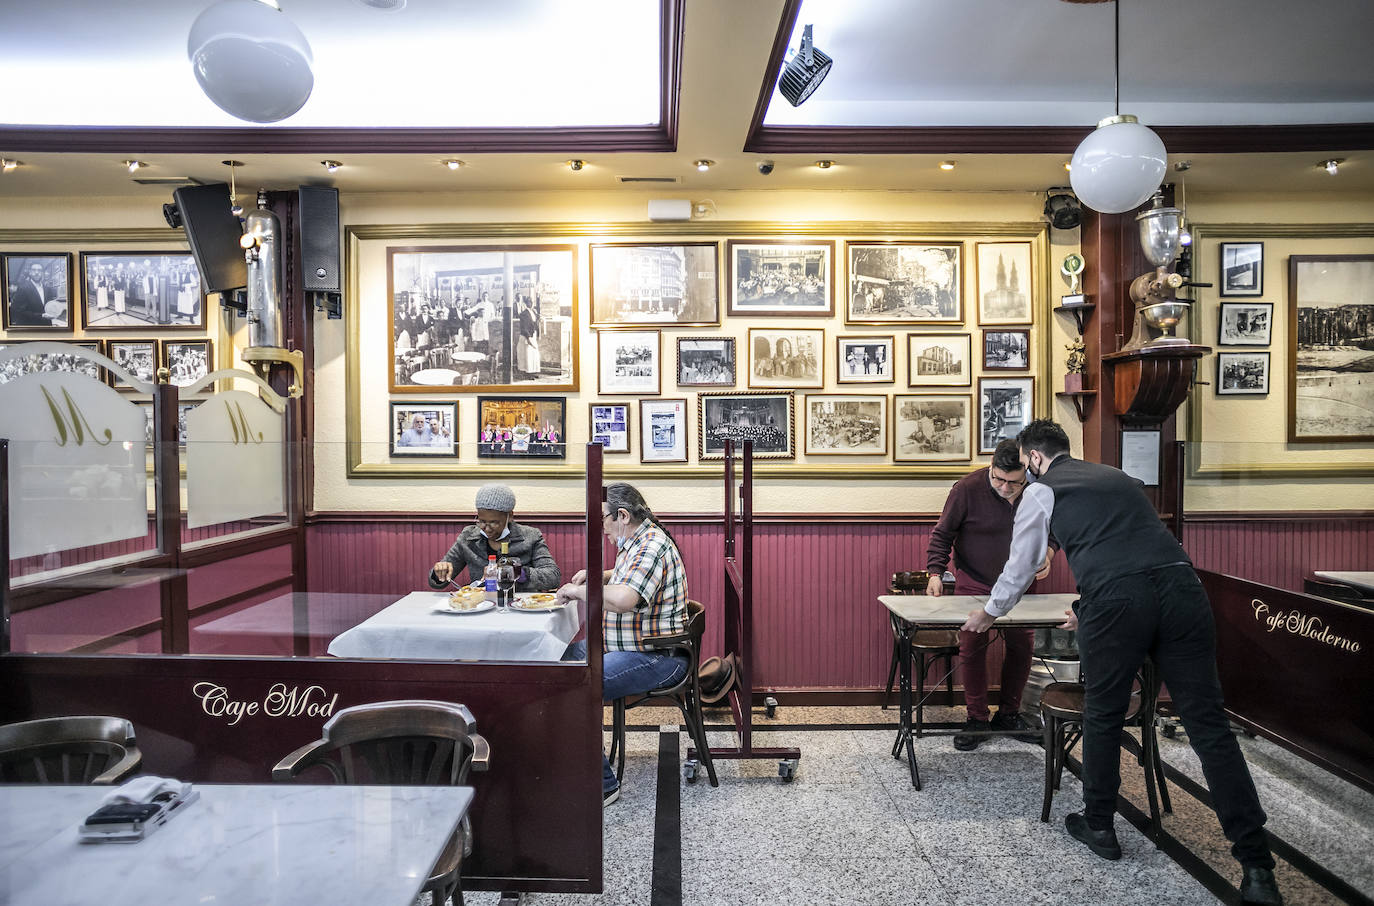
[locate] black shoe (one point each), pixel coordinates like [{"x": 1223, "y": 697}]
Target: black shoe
[
  {"x": 1102, "y": 842},
  {"x": 965, "y": 742},
  {"x": 609, "y": 796},
  {"x": 1012, "y": 722},
  {"x": 1257, "y": 886}
]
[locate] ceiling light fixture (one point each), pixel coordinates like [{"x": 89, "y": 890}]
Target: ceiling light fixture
[
  {"x": 234, "y": 207},
  {"x": 1068, "y": 166},
  {"x": 824, "y": 164},
  {"x": 1185, "y": 235},
  {"x": 703, "y": 165},
  {"x": 1062, "y": 210},
  {"x": 576, "y": 164},
  {"x": 452, "y": 163},
  {"x": 1121, "y": 163},
  {"x": 806, "y": 68},
  {"x": 8, "y": 163},
  {"x": 331, "y": 165},
  {"x": 251, "y": 60},
  {"x": 1333, "y": 165},
  {"x": 134, "y": 165},
  {"x": 947, "y": 164}
]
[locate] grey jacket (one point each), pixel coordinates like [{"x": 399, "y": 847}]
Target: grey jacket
[{"x": 527, "y": 547}]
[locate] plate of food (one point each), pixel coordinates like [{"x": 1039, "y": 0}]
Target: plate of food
[
  {"x": 539, "y": 601},
  {"x": 466, "y": 600}
]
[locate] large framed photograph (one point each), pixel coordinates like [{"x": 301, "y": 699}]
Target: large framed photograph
[
  {"x": 840, "y": 424},
  {"x": 939, "y": 360},
  {"x": 1330, "y": 343},
  {"x": 764, "y": 417},
  {"x": 141, "y": 289},
  {"x": 1242, "y": 373},
  {"x": 1005, "y": 280},
  {"x": 1242, "y": 269},
  {"x": 424, "y": 429},
  {"x": 629, "y": 361},
  {"x": 522, "y": 427},
  {"x": 456, "y": 325},
  {"x": 663, "y": 430},
  {"x": 1006, "y": 405},
  {"x": 1245, "y": 324},
  {"x": 1006, "y": 350},
  {"x": 932, "y": 428},
  {"x": 706, "y": 361},
  {"x": 864, "y": 360},
  {"x": 38, "y": 292},
  {"x": 62, "y": 362},
  {"x": 138, "y": 357},
  {"x": 655, "y": 284},
  {"x": 786, "y": 357},
  {"x": 610, "y": 426},
  {"x": 187, "y": 360},
  {"x": 905, "y": 282},
  {"x": 781, "y": 278}
]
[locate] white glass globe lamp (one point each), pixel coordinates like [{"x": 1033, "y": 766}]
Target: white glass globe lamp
[
  {"x": 1118, "y": 166},
  {"x": 251, "y": 60}
]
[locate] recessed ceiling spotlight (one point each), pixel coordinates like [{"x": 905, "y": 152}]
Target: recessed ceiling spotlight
[
  {"x": 452, "y": 163},
  {"x": 8, "y": 163},
  {"x": 947, "y": 165},
  {"x": 134, "y": 165},
  {"x": 1333, "y": 165},
  {"x": 331, "y": 165},
  {"x": 576, "y": 164},
  {"x": 1183, "y": 165},
  {"x": 1068, "y": 166},
  {"x": 824, "y": 164},
  {"x": 703, "y": 165}
]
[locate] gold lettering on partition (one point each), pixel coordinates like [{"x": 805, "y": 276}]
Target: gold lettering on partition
[
  {"x": 1302, "y": 625},
  {"x": 238, "y": 421},
  {"x": 80, "y": 427},
  {"x": 311, "y": 701}
]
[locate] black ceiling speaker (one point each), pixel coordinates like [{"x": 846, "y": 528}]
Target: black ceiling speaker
[
  {"x": 804, "y": 72},
  {"x": 1063, "y": 210}
]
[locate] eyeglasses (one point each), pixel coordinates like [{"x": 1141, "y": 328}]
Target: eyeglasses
[
  {"x": 491, "y": 522},
  {"x": 1009, "y": 482}
]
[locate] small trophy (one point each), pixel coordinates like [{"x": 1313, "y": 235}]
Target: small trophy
[
  {"x": 1074, "y": 366},
  {"x": 1072, "y": 270}
]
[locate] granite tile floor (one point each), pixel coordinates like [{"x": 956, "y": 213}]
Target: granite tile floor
[{"x": 850, "y": 829}]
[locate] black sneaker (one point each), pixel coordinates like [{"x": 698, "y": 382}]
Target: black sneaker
[
  {"x": 1257, "y": 886},
  {"x": 1012, "y": 722},
  {"x": 1102, "y": 842},
  {"x": 609, "y": 796},
  {"x": 966, "y": 741}
]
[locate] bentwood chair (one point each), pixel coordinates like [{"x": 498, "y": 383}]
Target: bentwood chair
[
  {"x": 1336, "y": 591},
  {"x": 928, "y": 647},
  {"x": 425, "y": 743},
  {"x": 69, "y": 750},
  {"x": 685, "y": 693}
]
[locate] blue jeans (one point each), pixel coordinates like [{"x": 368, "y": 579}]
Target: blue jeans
[{"x": 629, "y": 673}]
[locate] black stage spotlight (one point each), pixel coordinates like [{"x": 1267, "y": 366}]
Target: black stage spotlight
[
  {"x": 804, "y": 72},
  {"x": 172, "y": 215},
  {"x": 1062, "y": 209}
]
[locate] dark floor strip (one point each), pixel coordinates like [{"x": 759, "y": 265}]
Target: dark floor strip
[
  {"x": 666, "y": 887},
  {"x": 790, "y": 728}
]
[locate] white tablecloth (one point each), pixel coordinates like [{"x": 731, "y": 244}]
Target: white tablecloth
[{"x": 950, "y": 611}]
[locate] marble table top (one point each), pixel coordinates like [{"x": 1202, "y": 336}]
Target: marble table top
[
  {"x": 269, "y": 845},
  {"x": 1361, "y": 580},
  {"x": 950, "y": 611}
]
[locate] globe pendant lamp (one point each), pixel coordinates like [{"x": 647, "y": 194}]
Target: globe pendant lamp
[{"x": 251, "y": 60}]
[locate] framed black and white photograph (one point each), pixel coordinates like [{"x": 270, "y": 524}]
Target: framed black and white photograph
[
  {"x": 62, "y": 362},
  {"x": 1004, "y": 282},
  {"x": 424, "y": 429},
  {"x": 655, "y": 284},
  {"x": 845, "y": 424},
  {"x": 610, "y": 426},
  {"x": 939, "y": 360},
  {"x": 629, "y": 361},
  {"x": 1242, "y": 373},
  {"x": 138, "y": 357},
  {"x": 183, "y": 433},
  {"x": 781, "y": 278},
  {"x": 1242, "y": 269},
  {"x": 932, "y": 428},
  {"x": 456, "y": 325},
  {"x": 1006, "y": 405},
  {"x": 1330, "y": 342},
  {"x": 126, "y": 290},
  {"x": 187, "y": 360},
  {"x": 706, "y": 361},
  {"x": 766, "y": 418},
  {"x": 531, "y": 427},
  {"x": 1006, "y": 350},
  {"x": 1246, "y": 324},
  {"x": 864, "y": 360},
  {"x": 663, "y": 430},
  {"x": 905, "y": 283},
  {"x": 38, "y": 292},
  {"x": 786, "y": 357}
]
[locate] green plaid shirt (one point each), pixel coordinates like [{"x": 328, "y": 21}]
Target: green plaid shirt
[{"x": 651, "y": 565}]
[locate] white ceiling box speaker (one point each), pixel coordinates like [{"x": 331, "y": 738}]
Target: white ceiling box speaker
[{"x": 670, "y": 209}]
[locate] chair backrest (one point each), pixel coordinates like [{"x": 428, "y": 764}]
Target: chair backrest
[
  {"x": 909, "y": 582},
  {"x": 1336, "y": 591},
  {"x": 68, "y": 750}
]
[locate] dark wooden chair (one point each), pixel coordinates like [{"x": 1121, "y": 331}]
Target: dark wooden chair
[
  {"x": 69, "y": 750},
  {"x": 928, "y": 647},
  {"x": 424, "y": 743},
  {"x": 1336, "y": 591}
]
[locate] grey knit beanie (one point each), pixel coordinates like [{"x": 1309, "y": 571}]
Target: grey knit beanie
[{"x": 496, "y": 497}]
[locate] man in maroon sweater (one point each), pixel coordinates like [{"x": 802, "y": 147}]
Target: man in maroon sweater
[{"x": 976, "y": 523}]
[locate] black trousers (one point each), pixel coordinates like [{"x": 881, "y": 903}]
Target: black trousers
[{"x": 1164, "y": 614}]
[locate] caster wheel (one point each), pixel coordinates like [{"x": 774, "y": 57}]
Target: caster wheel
[
  {"x": 689, "y": 770},
  {"x": 770, "y": 706},
  {"x": 787, "y": 770}
]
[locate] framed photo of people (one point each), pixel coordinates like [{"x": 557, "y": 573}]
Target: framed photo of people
[
  {"x": 706, "y": 361},
  {"x": 786, "y": 357},
  {"x": 1005, "y": 281},
  {"x": 1006, "y": 405},
  {"x": 1245, "y": 324},
  {"x": 928, "y": 427},
  {"x": 663, "y": 430},
  {"x": 629, "y": 361},
  {"x": 672, "y": 284},
  {"x": 905, "y": 283},
  {"x": 424, "y": 429},
  {"x": 60, "y": 362},
  {"x": 864, "y": 360},
  {"x": 522, "y": 427},
  {"x": 764, "y": 417},
  {"x": 1330, "y": 342},
  {"x": 456, "y": 325},
  {"x": 1006, "y": 350},
  {"x": 187, "y": 360},
  {"x": 610, "y": 426},
  {"x": 780, "y": 278},
  {"x": 38, "y": 292},
  {"x": 138, "y": 357},
  {"x": 840, "y": 424},
  {"x": 1242, "y": 373},
  {"x": 939, "y": 360},
  {"x": 1242, "y": 269},
  {"x": 125, "y": 290}
]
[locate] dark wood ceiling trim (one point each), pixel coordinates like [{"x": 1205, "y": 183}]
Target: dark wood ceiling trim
[
  {"x": 790, "y": 10},
  {"x": 670, "y": 77}
]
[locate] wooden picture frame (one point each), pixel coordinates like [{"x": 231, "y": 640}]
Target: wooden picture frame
[
  {"x": 1242, "y": 373},
  {"x": 865, "y": 359},
  {"x": 424, "y": 428},
  {"x": 939, "y": 360},
  {"x": 786, "y": 357},
  {"x": 780, "y": 278},
  {"x": 159, "y": 290},
  {"x": 904, "y": 283},
  {"x": 1005, "y": 406},
  {"x": 37, "y": 292},
  {"x": 629, "y": 362},
  {"x": 663, "y": 430},
  {"x": 841, "y": 424},
  {"x": 138, "y": 355},
  {"x": 1006, "y": 283},
  {"x": 706, "y": 361},
  {"x": 766, "y": 417},
  {"x": 930, "y": 427},
  {"x": 1006, "y": 350},
  {"x": 522, "y": 427},
  {"x": 1245, "y": 324},
  {"x": 673, "y": 284},
  {"x": 1330, "y": 399},
  {"x": 188, "y": 361},
  {"x": 609, "y": 425},
  {"x": 1241, "y": 269}
]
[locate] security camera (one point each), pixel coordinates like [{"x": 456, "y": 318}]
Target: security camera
[
  {"x": 765, "y": 167},
  {"x": 172, "y": 215}
]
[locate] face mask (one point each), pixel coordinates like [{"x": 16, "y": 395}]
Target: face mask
[{"x": 620, "y": 543}]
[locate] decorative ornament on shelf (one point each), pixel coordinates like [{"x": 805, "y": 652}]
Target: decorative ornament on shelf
[
  {"x": 1075, "y": 365},
  {"x": 1157, "y": 308},
  {"x": 1072, "y": 271}
]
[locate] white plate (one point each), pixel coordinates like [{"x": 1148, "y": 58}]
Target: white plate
[
  {"x": 480, "y": 608},
  {"x": 524, "y": 605}
]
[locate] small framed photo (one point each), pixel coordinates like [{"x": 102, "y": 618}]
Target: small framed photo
[
  {"x": 655, "y": 284},
  {"x": 183, "y": 410},
  {"x": 187, "y": 360},
  {"x": 864, "y": 360},
  {"x": 706, "y": 361},
  {"x": 779, "y": 278},
  {"x": 61, "y": 362},
  {"x": 522, "y": 427},
  {"x": 629, "y": 361},
  {"x": 905, "y": 283},
  {"x": 932, "y": 428},
  {"x": 764, "y": 417},
  {"x": 663, "y": 430},
  {"x": 1006, "y": 405},
  {"x": 939, "y": 360},
  {"x": 424, "y": 429},
  {"x": 1004, "y": 282},
  {"x": 1245, "y": 324},
  {"x": 141, "y": 289},
  {"x": 786, "y": 357},
  {"x": 1006, "y": 350},
  {"x": 1242, "y": 373},
  {"x": 845, "y": 425},
  {"x": 610, "y": 426},
  {"x": 138, "y": 357},
  {"x": 38, "y": 292},
  {"x": 1242, "y": 269}
]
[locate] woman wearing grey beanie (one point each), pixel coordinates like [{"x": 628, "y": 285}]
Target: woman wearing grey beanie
[{"x": 525, "y": 545}]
